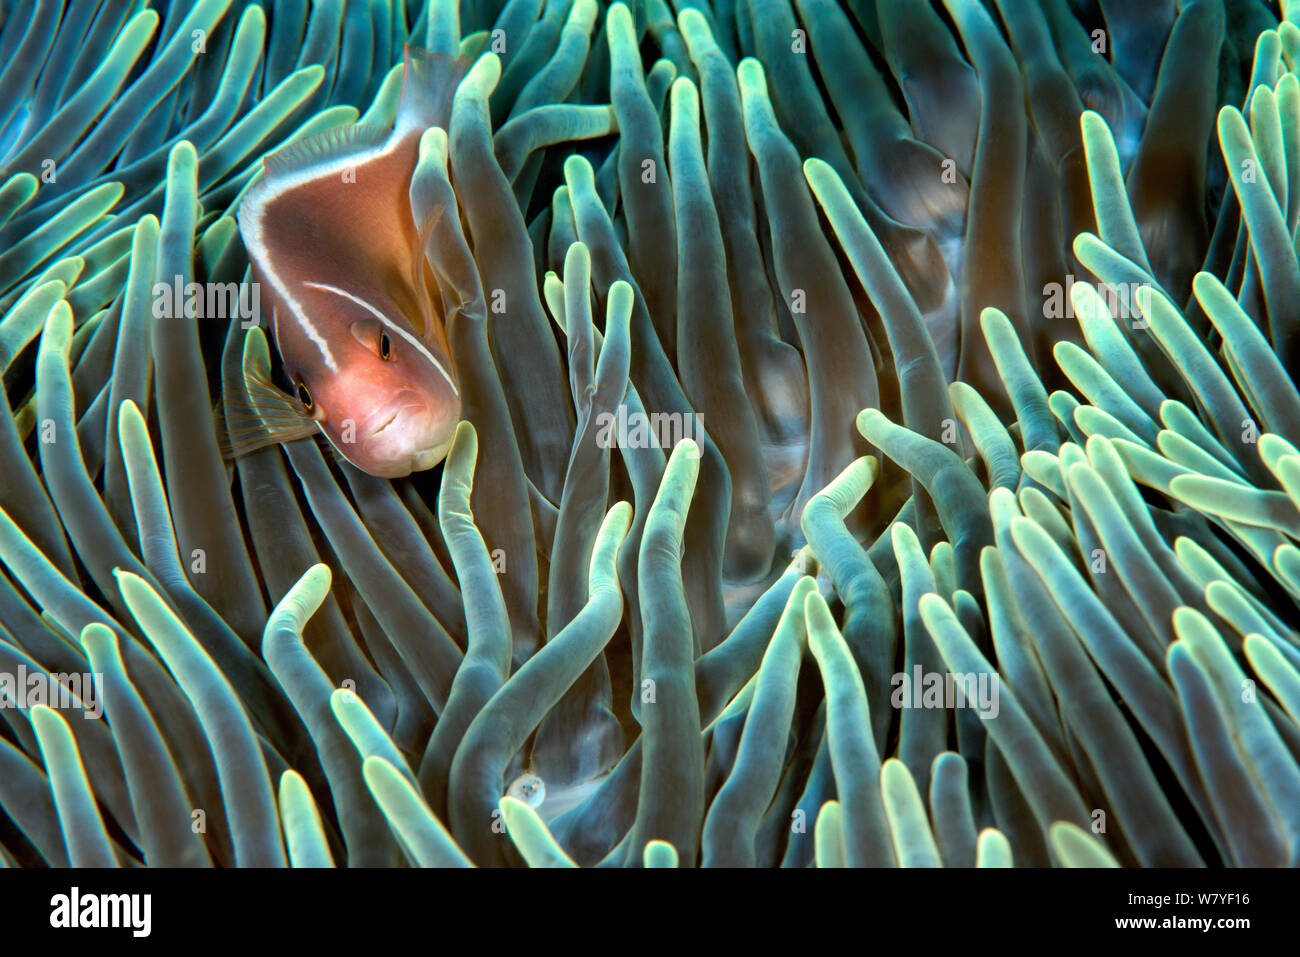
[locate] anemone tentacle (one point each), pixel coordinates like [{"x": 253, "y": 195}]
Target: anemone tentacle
[{"x": 879, "y": 442}]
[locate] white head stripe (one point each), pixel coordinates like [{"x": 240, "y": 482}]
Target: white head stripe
[
  {"x": 298, "y": 313},
  {"x": 389, "y": 324},
  {"x": 257, "y": 251},
  {"x": 314, "y": 335}
]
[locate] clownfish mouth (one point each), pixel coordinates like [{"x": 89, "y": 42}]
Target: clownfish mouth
[
  {"x": 400, "y": 437},
  {"x": 391, "y": 419},
  {"x": 381, "y": 422}
]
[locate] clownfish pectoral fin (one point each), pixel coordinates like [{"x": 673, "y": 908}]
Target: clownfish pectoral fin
[
  {"x": 260, "y": 415},
  {"x": 310, "y": 155},
  {"x": 243, "y": 433},
  {"x": 429, "y": 82}
]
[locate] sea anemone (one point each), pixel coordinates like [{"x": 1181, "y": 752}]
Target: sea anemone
[{"x": 879, "y": 442}]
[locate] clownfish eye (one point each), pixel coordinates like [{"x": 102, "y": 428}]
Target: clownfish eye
[
  {"x": 304, "y": 396},
  {"x": 372, "y": 334}
]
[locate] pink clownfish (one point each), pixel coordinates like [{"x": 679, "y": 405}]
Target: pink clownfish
[{"x": 354, "y": 306}]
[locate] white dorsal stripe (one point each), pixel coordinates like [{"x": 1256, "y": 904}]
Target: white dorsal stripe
[
  {"x": 253, "y": 209},
  {"x": 389, "y": 324},
  {"x": 329, "y": 167}
]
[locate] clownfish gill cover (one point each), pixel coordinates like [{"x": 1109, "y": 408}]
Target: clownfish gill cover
[{"x": 656, "y": 433}]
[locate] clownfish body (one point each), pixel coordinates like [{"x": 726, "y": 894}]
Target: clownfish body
[{"x": 354, "y": 312}]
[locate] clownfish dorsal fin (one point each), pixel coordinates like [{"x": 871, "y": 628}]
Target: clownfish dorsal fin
[
  {"x": 429, "y": 82},
  {"x": 308, "y": 155},
  {"x": 260, "y": 415}
]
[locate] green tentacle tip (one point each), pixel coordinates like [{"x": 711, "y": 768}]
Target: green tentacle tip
[
  {"x": 1077, "y": 848},
  {"x": 659, "y": 854},
  {"x": 531, "y": 836}
]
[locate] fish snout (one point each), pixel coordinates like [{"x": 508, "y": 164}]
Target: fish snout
[
  {"x": 403, "y": 435},
  {"x": 386, "y": 422}
]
